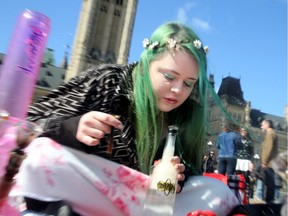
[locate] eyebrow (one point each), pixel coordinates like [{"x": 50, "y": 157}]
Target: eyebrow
[{"x": 175, "y": 72}]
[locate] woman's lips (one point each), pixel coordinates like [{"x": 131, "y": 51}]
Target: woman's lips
[{"x": 171, "y": 100}]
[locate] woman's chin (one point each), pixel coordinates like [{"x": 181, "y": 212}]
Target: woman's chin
[{"x": 166, "y": 108}]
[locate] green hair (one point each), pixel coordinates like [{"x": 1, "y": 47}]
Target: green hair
[{"x": 150, "y": 120}]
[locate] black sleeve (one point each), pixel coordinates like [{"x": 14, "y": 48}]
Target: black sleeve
[
  {"x": 66, "y": 135},
  {"x": 63, "y": 103}
]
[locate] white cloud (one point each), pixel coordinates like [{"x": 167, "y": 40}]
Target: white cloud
[
  {"x": 183, "y": 11},
  {"x": 201, "y": 24},
  {"x": 183, "y": 16}
]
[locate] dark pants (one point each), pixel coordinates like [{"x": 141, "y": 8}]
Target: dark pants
[
  {"x": 269, "y": 183},
  {"x": 227, "y": 166}
]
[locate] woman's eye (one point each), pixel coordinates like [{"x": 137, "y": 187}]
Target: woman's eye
[
  {"x": 169, "y": 76},
  {"x": 188, "y": 83}
]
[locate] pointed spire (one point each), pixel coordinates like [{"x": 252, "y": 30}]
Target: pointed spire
[
  {"x": 64, "y": 63},
  {"x": 211, "y": 80}
]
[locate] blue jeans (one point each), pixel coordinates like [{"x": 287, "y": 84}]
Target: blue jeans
[
  {"x": 259, "y": 189},
  {"x": 227, "y": 166}
]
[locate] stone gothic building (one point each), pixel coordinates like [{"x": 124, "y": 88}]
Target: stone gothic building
[{"x": 103, "y": 34}]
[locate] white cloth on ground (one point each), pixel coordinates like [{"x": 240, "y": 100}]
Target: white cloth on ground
[{"x": 95, "y": 186}]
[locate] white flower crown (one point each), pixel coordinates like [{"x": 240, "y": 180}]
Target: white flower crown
[{"x": 172, "y": 44}]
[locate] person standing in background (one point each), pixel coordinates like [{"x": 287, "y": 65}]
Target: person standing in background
[
  {"x": 278, "y": 186},
  {"x": 209, "y": 163},
  {"x": 280, "y": 165},
  {"x": 269, "y": 152},
  {"x": 244, "y": 158},
  {"x": 227, "y": 143}
]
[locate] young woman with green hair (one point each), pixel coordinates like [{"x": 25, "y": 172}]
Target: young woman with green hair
[
  {"x": 190, "y": 116},
  {"x": 120, "y": 113}
]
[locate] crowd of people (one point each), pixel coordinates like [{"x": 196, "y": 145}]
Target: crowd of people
[{"x": 236, "y": 157}]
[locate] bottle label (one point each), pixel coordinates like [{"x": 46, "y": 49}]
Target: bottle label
[
  {"x": 167, "y": 187},
  {"x": 33, "y": 44}
]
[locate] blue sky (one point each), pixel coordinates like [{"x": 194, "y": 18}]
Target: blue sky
[{"x": 247, "y": 39}]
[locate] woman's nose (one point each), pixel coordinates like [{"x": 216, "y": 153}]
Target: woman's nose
[{"x": 176, "y": 88}]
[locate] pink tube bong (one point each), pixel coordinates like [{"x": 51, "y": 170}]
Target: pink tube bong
[{"x": 22, "y": 63}]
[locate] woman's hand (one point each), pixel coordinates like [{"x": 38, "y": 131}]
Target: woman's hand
[
  {"x": 180, "y": 169},
  {"x": 94, "y": 125}
]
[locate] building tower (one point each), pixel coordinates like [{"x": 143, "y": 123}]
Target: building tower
[{"x": 103, "y": 34}]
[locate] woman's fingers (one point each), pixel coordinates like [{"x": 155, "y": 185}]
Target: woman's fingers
[
  {"x": 94, "y": 133},
  {"x": 175, "y": 160},
  {"x": 94, "y": 125},
  {"x": 178, "y": 188},
  {"x": 106, "y": 120},
  {"x": 179, "y": 166},
  {"x": 181, "y": 177},
  {"x": 90, "y": 141}
]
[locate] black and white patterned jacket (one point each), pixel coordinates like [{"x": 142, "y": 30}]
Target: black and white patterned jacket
[{"x": 104, "y": 88}]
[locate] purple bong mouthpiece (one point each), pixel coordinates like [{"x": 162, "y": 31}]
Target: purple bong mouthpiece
[{"x": 22, "y": 63}]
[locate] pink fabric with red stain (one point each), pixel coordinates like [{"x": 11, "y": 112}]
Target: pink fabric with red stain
[
  {"x": 96, "y": 186},
  {"x": 7, "y": 210},
  {"x": 92, "y": 185},
  {"x": 7, "y": 143}
]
